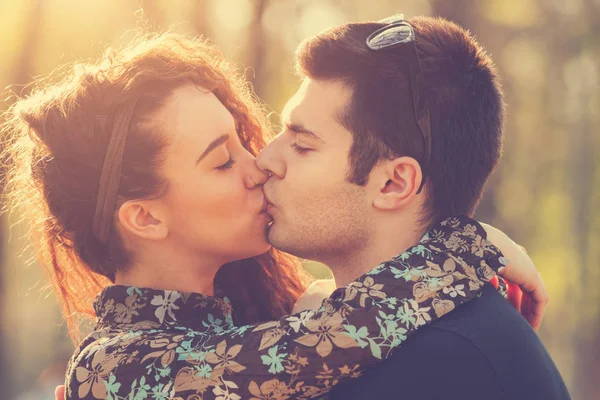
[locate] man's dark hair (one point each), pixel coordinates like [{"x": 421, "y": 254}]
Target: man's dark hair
[{"x": 464, "y": 95}]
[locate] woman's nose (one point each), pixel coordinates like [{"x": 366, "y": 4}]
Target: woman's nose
[{"x": 255, "y": 177}]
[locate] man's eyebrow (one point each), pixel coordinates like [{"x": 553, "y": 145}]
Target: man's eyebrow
[
  {"x": 296, "y": 128},
  {"x": 213, "y": 145}
]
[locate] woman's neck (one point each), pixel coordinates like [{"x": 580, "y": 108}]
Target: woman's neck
[{"x": 171, "y": 272}]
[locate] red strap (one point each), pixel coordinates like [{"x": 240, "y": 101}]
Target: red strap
[{"x": 515, "y": 294}]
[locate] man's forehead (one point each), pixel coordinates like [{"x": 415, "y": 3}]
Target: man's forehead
[
  {"x": 293, "y": 105},
  {"x": 316, "y": 102}
]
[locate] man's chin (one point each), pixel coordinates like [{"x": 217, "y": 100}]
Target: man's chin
[
  {"x": 276, "y": 237},
  {"x": 271, "y": 233},
  {"x": 282, "y": 240}
]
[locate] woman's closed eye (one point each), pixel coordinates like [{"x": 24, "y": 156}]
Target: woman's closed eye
[{"x": 227, "y": 165}]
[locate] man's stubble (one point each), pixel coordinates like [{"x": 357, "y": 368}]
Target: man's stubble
[{"x": 328, "y": 227}]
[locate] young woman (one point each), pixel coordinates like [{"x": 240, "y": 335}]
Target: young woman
[{"x": 138, "y": 170}]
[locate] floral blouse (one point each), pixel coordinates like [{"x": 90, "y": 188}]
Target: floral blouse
[{"x": 162, "y": 344}]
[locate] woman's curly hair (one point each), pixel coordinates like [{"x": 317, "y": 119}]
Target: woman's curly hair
[{"x": 55, "y": 143}]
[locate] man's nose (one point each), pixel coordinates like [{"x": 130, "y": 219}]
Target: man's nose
[{"x": 270, "y": 160}]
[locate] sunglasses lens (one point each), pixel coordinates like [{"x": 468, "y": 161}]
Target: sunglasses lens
[{"x": 390, "y": 36}]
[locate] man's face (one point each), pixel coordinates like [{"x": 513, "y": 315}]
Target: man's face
[{"x": 316, "y": 212}]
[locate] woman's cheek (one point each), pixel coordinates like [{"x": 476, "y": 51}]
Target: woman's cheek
[{"x": 226, "y": 198}]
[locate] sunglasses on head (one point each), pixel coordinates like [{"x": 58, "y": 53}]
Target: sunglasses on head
[{"x": 397, "y": 33}]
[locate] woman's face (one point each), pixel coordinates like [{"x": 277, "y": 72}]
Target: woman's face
[{"x": 214, "y": 205}]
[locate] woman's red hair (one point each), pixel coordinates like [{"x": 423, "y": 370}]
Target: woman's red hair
[{"x": 56, "y": 142}]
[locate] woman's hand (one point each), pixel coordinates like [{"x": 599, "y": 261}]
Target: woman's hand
[{"x": 521, "y": 271}]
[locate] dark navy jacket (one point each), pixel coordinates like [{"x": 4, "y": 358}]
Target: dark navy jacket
[{"x": 483, "y": 350}]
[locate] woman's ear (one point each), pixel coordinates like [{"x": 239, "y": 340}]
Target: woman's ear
[
  {"x": 399, "y": 181},
  {"x": 142, "y": 219}
]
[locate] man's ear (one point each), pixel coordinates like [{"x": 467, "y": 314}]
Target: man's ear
[
  {"x": 398, "y": 181},
  {"x": 142, "y": 219}
]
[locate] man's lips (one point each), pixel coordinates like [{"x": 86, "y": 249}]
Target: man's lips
[
  {"x": 265, "y": 211},
  {"x": 270, "y": 208},
  {"x": 267, "y": 200},
  {"x": 264, "y": 206}
]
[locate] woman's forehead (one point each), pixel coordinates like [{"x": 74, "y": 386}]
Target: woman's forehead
[{"x": 196, "y": 114}]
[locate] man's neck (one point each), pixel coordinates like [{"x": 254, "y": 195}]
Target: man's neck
[{"x": 385, "y": 244}]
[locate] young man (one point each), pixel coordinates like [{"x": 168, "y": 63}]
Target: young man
[{"x": 397, "y": 126}]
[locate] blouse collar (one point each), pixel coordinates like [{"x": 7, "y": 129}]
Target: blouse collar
[{"x": 147, "y": 308}]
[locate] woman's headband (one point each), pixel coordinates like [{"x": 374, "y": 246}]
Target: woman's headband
[{"x": 110, "y": 176}]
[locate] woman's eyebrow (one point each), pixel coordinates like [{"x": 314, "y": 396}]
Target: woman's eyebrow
[{"x": 213, "y": 145}]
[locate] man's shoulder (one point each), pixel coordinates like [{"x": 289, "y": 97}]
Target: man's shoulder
[
  {"x": 494, "y": 327},
  {"x": 484, "y": 347}
]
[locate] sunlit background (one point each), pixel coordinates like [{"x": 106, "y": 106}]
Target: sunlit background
[{"x": 545, "y": 193}]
